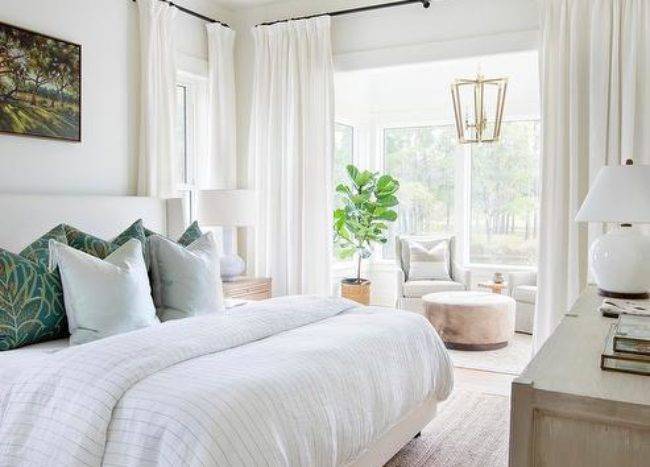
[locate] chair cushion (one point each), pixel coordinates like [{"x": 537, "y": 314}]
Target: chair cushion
[
  {"x": 416, "y": 289},
  {"x": 525, "y": 293},
  {"x": 429, "y": 261}
]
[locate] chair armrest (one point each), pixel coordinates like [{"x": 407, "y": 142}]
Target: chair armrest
[
  {"x": 462, "y": 275},
  {"x": 399, "y": 282},
  {"x": 515, "y": 279}
]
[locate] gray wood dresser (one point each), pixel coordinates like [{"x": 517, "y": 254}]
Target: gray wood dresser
[{"x": 566, "y": 411}]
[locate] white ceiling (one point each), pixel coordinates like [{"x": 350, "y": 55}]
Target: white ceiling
[{"x": 424, "y": 89}]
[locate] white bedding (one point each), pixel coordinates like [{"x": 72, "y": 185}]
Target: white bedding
[
  {"x": 292, "y": 381},
  {"x": 32, "y": 352}
]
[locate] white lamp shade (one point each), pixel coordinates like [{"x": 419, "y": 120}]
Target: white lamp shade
[
  {"x": 232, "y": 208},
  {"x": 619, "y": 194}
]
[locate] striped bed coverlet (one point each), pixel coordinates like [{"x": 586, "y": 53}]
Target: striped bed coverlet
[{"x": 302, "y": 381}]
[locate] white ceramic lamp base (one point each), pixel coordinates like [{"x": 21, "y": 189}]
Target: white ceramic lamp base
[
  {"x": 232, "y": 266},
  {"x": 620, "y": 262}
]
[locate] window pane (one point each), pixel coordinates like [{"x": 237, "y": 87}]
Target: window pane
[
  {"x": 343, "y": 156},
  {"x": 424, "y": 161},
  {"x": 343, "y": 152},
  {"x": 504, "y": 198},
  {"x": 181, "y": 134}
]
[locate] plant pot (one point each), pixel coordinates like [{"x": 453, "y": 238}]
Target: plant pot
[{"x": 356, "y": 291}]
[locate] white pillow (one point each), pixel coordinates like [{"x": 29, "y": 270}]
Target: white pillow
[
  {"x": 186, "y": 280},
  {"x": 429, "y": 261},
  {"x": 104, "y": 297}
]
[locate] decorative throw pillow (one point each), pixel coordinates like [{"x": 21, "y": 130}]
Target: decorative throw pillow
[
  {"x": 191, "y": 234},
  {"x": 186, "y": 280},
  {"x": 31, "y": 298},
  {"x": 106, "y": 296},
  {"x": 102, "y": 248},
  {"x": 429, "y": 260}
]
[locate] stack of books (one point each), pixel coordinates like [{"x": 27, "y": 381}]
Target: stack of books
[{"x": 627, "y": 347}]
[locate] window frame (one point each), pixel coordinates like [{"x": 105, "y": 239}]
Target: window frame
[
  {"x": 462, "y": 186},
  {"x": 196, "y": 94},
  {"x": 339, "y": 265}
]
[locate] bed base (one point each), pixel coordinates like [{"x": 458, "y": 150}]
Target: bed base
[{"x": 382, "y": 450}]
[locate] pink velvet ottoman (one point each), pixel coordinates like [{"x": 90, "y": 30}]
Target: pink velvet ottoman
[{"x": 471, "y": 320}]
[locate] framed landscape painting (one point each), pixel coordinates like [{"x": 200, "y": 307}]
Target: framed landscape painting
[{"x": 40, "y": 85}]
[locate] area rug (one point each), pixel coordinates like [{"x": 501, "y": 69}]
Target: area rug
[
  {"x": 471, "y": 429},
  {"x": 511, "y": 359}
]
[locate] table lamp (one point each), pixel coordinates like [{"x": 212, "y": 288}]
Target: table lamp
[
  {"x": 228, "y": 208},
  {"x": 620, "y": 259}
]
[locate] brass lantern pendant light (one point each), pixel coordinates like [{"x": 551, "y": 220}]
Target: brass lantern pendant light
[{"x": 478, "y": 108}]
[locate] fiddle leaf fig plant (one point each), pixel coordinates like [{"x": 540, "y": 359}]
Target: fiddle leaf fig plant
[{"x": 369, "y": 205}]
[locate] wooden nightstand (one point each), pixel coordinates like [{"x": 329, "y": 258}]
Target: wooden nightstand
[{"x": 248, "y": 288}]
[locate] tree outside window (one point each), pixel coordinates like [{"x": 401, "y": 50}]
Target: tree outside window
[
  {"x": 504, "y": 201},
  {"x": 423, "y": 159}
]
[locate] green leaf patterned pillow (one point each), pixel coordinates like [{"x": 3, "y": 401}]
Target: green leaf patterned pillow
[
  {"x": 191, "y": 234},
  {"x": 102, "y": 248},
  {"x": 31, "y": 297}
]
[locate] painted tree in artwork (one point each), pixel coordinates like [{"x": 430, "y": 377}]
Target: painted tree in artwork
[{"x": 39, "y": 84}]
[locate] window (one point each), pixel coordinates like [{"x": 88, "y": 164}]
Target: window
[
  {"x": 343, "y": 153},
  {"x": 504, "y": 197},
  {"x": 190, "y": 134},
  {"x": 423, "y": 159},
  {"x": 183, "y": 112},
  {"x": 343, "y": 156}
]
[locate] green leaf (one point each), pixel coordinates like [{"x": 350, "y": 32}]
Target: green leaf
[
  {"x": 387, "y": 201},
  {"x": 353, "y": 172},
  {"x": 347, "y": 252},
  {"x": 388, "y": 215},
  {"x": 363, "y": 178}
]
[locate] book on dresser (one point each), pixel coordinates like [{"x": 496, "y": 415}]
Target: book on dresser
[
  {"x": 248, "y": 288},
  {"x": 624, "y": 361}
]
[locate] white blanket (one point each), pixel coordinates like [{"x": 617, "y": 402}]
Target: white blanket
[{"x": 293, "y": 381}]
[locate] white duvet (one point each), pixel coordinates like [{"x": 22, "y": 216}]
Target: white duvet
[{"x": 301, "y": 381}]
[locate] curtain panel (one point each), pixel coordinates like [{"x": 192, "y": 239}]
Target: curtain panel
[
  {"x": 219, "y": 170},
  {"x": 291, "y": 144},
  {"x": 595, "y": 94},
  {"x": 156, "y": 174}
]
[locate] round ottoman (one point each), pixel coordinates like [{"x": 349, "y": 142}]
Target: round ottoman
[{"x": 471, "y": 320}]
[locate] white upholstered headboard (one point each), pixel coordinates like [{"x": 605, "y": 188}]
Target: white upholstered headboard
[{"x": 24, "y": 218}]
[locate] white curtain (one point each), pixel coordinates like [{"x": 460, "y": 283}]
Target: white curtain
[
  {"x": 291, "y": 149},
  {"x": 219, "y": 170},
  {"x": 595, "y": 107},
  {"x": 156, "y": 168}
]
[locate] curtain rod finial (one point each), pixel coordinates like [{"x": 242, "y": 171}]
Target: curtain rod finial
[{"x": 426, "y": 3}]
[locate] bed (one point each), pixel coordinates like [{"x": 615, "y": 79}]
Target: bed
[{"x": 288, "y": 381}]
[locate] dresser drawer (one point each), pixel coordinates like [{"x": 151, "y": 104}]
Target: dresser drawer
[{"x": 248, "y": 289}]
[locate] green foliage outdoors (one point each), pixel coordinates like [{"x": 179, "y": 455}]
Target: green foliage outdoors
[
  {"x": 39, "y": 85},
  {"x": 503, "y": 196},
  {"x": 368, "y": 206}
]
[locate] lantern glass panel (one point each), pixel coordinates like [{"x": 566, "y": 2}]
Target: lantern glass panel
[
  {"x": 490, "y": 110},
  {"x": 468, "y": 110}
]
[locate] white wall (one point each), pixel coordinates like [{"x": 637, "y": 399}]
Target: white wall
[{"x": 105, "y": 161}]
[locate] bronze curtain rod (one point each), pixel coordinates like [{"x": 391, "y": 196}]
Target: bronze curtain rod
[
  {"x": 193, "y": 13},
  {"x": 425, "y": 4}
]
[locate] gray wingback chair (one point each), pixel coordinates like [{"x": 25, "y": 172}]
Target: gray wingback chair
[{"x": 410, "y": 292}]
